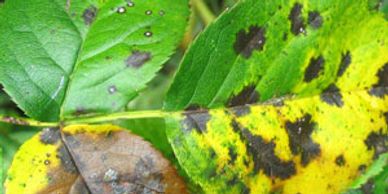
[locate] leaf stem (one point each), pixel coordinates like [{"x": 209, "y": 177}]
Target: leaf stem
[
  {"x": 26, "y": 122},
  {"x": 119, "y": 116},
  {"x": 204, "y": 12}
]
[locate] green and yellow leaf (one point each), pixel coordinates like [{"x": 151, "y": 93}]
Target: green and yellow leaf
[{"x": 321, "y": 68}]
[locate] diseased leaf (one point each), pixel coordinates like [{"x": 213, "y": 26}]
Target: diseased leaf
[
  {"x": 121, "y": 162},
  {"x": 78, "y": 57},
  {"x": 295, "y": 145},
  {"x": 259, "y": 50},
  {"x": 42, "y": 165},
  {"x": 324, "y": 67},
  {"x": 91, "y": 159}
]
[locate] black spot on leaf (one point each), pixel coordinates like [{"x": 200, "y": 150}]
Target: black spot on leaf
[
  {"x": 315, "y": 19},
  {"x": 332, "y": 95},
  {"x": 248, "y": 95},
  {"x": 196, "y": 121},
  {"x": 89, "y": 15},
  {"x": 137, "y": 59},
  {"x": 80, "y": 111},
  {"x": 340, "y": 160},
  {"x": 245, "y": 190},
  {"x": 246, "y": 43},
  {"x": 50, "y": 136},
  {"x": 345, "y": 62},
  {"x": 378, "y": 141},
  {"x": 362, "y": 168},
  {"x": 380, "y": 89},
  {"x": 232, "y": 155},
  {"x": 264, "y": 157},
  {"x": 316, "y": 65},
  {"x": 299, "y": 134},
  {"x": 240, "y": 111},
  {"x": 296, "y": 19}
]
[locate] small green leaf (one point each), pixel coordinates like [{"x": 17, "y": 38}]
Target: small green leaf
[
  {"x": 375, "y": 169},
  {"x": 66, "y": 58}
]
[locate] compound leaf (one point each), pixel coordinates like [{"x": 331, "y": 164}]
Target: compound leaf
[{"x": 66, "y": 58}]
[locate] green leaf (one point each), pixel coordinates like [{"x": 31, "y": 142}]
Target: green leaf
[
  {"x": 264, "y": 49},
  {"x": 319, "y": 66},
  {"x": 60, "y": 59},
  {"x": 374, "y": 180},
  {"x": 375, "y": 169}
]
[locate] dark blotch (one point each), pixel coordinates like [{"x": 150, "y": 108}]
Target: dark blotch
[
  {"x": 345, "y": 62},
  {"x": 245, "y": 190},
  {"x": 89, "y": 15},
  {"x": 196, "y": 121},
  {"x": 368, "y": 187},
  {"x": 299, "y": 134},
  {"x": 264, "y": 157},
  {"x": 248, "y": 95},
  {"x": 316, "y": 65},
  {"x": 380, "y": 89},
  {"x": 232, "y": 155},
  {"x": 240, "y": 111},
  {"x": 297, "y": 22},
  {"x": 246, "y": 43},
  {"x": 80, "y": 111},
  {"x": 50, "y": 136},
  {"x": 362, "y": 168},
  {"x": 315, "y": 19},
  {"x": 378, "y": 141},
  {"x": 340, "y": 160},
  {"x": 332, "y": 95},
  {"x": 137, "y": 59},
  {"x": 66, "y": 160}
]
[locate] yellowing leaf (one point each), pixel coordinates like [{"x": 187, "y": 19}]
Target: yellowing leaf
[
  {"x": 42, "y": 165},
  {"x": 107, "y": 159},
  {"x": 295, "y": 146}
]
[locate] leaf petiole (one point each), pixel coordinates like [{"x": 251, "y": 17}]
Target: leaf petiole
[
  {"x": 203, "y": 11},
  {"x": 26, "y": 121}
]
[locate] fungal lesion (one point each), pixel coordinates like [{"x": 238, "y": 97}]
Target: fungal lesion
[
  {"x": 300, "y": 140},
  {"x": 314, "y": 69},
  {"x": 298, "y": 25},
  {"x": 248, "y": 42},
  {"x": 137, "y": 59},
  {"x": 90, "y": 15},
  {"x": 380, "y": 89}
]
